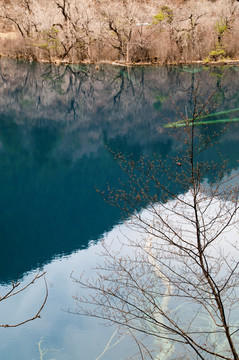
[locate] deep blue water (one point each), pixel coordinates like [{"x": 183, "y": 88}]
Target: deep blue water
[{"x": 55, "y": 124}]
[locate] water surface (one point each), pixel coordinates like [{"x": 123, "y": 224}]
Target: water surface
[{"x": 55, "y": 124}]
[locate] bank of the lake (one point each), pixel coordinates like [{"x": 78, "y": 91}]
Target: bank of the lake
[{"x": 128, "y": 32}]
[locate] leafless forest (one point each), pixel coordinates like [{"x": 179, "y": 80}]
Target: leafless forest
[{"x": 128, "y": 31}]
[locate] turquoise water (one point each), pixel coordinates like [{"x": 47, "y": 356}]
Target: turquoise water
[{"x": 55, "y": 124}]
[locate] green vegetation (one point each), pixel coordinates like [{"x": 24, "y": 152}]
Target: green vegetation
[
  {"x": 201, "y": 122},
  {"x": 205, "y": 122},
  {"x": 158, "y": 17},
  {"x": 221, "y": 28},
  {"x": 165, "y": 13},
  {"x": 219, "y": 52},
  {"x": 49, "y": 40}
]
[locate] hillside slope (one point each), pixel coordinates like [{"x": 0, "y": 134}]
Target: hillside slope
[{"x": 129, "y": 31}]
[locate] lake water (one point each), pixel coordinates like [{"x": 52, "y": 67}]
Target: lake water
[{"x": 55, "y": 124}]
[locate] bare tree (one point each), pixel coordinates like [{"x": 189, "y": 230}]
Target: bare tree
[
  {"x": 15, "y": 290},
  {"x": 174, "y": 278},
  {"x": 75, "y": 31},
  {"x": 126, "y": 22},
  {"x": 22, "y": 15}
]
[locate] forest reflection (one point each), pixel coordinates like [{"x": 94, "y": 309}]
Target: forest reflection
[{"x": 55, "y": 124}]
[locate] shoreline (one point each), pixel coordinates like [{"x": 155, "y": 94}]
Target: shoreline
[
  {"x": 123, "y": 33},
  {"x": 59, "y": 62}
]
